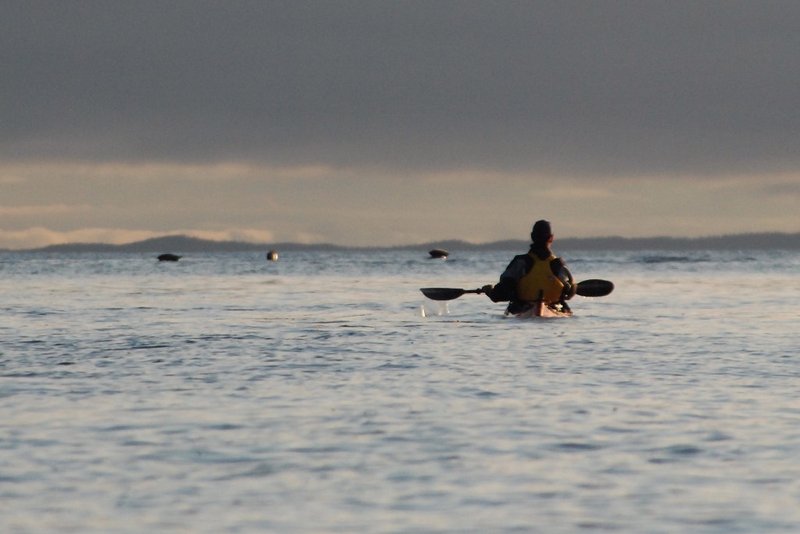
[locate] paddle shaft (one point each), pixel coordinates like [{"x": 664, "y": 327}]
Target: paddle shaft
[{"x": 587, "y": 288}]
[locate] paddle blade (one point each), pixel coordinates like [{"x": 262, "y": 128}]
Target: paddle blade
[
  {"x": 446, "y": 293},
  {"x": 442, "y": 293},
  {"x": 595, "y": 288}
]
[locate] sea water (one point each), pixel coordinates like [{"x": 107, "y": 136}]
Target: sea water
[{"x": 324, "y": 393}]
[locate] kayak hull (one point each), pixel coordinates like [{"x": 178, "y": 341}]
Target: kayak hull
[{"x": 540, "y": 310}]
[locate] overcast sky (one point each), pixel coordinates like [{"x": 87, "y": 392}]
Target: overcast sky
[{"x": 396, "y": 122}]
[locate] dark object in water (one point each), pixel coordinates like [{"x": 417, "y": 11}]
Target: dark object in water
[
  {"x": 272, "y": 255},
  {"x": 438, "y": 253},
  {"x": 168, "y": 257}
]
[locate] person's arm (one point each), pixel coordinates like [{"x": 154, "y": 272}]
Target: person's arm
[
  {"x": 506, "y": 288},
  {"x": 559, "y": 268}
]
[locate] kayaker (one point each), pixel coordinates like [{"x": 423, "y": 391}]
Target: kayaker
[{"x": 536, "y": 277}]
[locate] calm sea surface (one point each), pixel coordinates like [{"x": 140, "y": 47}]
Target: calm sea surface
[{"x": 324, "y": 393}]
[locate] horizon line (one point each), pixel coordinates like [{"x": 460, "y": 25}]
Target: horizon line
[{"x": 566, "y": 241}]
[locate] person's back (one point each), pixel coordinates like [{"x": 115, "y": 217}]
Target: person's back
[{"x": 538, "y": 277}]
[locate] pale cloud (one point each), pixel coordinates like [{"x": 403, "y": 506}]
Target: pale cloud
[
  {"x": 469, "y": 177},
  {"x": 26, "y": 171},
  {"x": 246, "y": 235},
  {"x": 320, "y": 204},
  {"x": 789, "y": 191},
  {"x": 308, "y": 238},
  {"x": 37, "y": 237},
  {"x": 8, "y": 179},
  {"x": 585, "y": 193},
  {"x": 43, "y": 210},
  {"x": 41, "y": 237}
]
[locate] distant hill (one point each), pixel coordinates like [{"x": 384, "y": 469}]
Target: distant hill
[{"x": 183, "y": 244}]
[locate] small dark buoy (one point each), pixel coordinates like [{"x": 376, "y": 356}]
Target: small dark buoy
[
  {"x": 272, "y": 255},
  {"x": 168, "y": 257},
  {"x": 438, "y": 253}
]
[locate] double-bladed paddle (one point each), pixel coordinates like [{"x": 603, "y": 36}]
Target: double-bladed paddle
[{"x": 587, "y": 288}]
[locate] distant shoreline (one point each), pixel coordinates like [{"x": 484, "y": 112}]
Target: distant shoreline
[{"x": 185, "y": 244}]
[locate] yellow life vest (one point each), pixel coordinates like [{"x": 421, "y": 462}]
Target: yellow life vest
[{"x": 540, "y": 283}]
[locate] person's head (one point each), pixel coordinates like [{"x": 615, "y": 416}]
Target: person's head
[{"x": 541, "y": 234}]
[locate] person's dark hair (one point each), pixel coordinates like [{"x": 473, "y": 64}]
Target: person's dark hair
[{"x": 541, "y": 232}]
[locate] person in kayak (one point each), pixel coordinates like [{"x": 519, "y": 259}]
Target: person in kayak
[{"x": 536, "y": 277}]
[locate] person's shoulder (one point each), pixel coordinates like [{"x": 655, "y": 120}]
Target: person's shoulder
[
  {"x": 557, "y": 261},
  {"x": 519, "y": 263},
  {"x": 526, "y": 258}
]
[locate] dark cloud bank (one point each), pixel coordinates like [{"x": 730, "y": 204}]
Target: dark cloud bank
[{"x": 569, "y": 87}]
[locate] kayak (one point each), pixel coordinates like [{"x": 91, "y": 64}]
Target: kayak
[{"x": 540, "y": 310}]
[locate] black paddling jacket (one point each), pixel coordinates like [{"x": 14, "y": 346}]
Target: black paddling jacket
[{"x": 507, "y": 289}]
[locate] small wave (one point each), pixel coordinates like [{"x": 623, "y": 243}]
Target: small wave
[
  {"x": 684, "y": 450},
  {"x": 672, "y": 259},
  {"x": 655, "y": 258},
  {"x": 257, "y": 471},
  {"x": 392, "y": 366},
  {"x": 674, "y": 453},
  {"x": 573, "y": 446}
]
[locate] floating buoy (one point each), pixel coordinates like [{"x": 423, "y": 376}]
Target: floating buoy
[
  {"x": 438, "y": 253},
  {"x": 168, "y": 257},
  {"x": 272, "y": 255}
]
